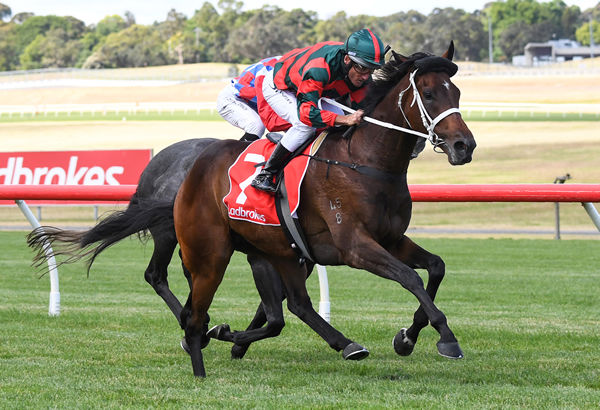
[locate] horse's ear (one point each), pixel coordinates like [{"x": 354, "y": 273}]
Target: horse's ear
[
  {"x": 399, "y": 57},
  {"x": 449, "y": 54}
]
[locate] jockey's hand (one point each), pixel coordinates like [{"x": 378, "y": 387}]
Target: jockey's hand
[{"x": 350, "y": 119}]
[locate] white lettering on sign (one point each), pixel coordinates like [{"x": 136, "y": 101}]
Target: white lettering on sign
[
  {"x": 16, "y": 174},
  {"x": 255, "y": 159},
  {"x": 243, "y": 213}
]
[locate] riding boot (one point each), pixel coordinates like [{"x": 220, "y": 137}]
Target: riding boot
[
  {"x": 249, "y": 137},
  {"x": 265, "y": 180}
]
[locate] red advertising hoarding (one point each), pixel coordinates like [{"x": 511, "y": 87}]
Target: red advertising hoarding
[{"x": 107, "y": 167}]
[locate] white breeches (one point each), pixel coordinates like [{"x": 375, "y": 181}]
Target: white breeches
[
  {"x": 284, "y": 103},
  {"x": 238, "y": 113}
]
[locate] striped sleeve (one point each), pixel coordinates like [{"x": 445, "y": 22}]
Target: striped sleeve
[{"x": 309, "y": 92}]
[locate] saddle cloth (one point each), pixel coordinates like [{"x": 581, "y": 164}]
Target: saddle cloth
[{"x": 246, "y": 203}]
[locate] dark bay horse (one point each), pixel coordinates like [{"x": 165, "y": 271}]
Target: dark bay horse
[{"x": 366, "y": 228}]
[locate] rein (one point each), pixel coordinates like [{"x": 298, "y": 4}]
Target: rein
[{"x": 428, "y": 122}]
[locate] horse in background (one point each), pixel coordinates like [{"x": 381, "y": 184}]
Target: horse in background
[{"x": 160, "y": 180}]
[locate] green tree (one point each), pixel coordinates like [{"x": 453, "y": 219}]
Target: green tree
[
  {"x": 405, "y": 32},
  {"x": 175, "y": 23},
  {"x": 9, "y": 56},
  {"x": 583, "y": 33},
  {"x": 55, "y": 49},
  {"x": 136, "y": 46},
  {"x": 270, "y": 31},
  {"x": 466, "y": 29},
  {"x": 335, "y": 28},
  {"x": 110, "y": 24},
  {"x": 212, "y": 30},
  {"x": 33, "y": 26},
  {"x": 517, "y": 22},
  {"x": 95, "y": 38}
]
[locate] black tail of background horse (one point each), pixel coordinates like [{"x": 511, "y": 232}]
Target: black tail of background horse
[
  {"x": 138, "y": 218},
  {"x": 160, "y": 182}
]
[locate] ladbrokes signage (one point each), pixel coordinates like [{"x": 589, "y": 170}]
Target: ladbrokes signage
[{"x": 114, "y": 167}]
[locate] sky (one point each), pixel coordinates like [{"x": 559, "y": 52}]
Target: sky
[{"x": 148, "y": 11}]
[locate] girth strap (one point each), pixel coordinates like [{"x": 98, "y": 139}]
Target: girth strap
[
  {"x": 363, "y": 170},
  {"x": 290, "y": 225}
]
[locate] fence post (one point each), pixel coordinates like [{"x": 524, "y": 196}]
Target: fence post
[
  {"x": 54, "y": 305},
  {"x": 324, "y": 304},
  {"x": 559, "y": 180},
  {"x": 593, "y": 213}
]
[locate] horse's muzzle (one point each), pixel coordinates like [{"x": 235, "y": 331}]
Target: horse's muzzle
[{"x": 460, "y": 150}]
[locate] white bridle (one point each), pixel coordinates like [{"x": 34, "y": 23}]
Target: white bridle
[{"x": 428, "y": 122}]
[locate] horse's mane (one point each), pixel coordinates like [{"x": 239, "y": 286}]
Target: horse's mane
[
  {"x": 388, "y": 76},
  {"x": 395, "y": 69}
]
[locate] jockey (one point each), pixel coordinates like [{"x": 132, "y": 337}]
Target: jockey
[
  {"x": 236, "y": 103},
  {"x": 302, "y": 76}
]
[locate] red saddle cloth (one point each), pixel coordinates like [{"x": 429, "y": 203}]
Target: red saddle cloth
[{"x": 249, "y": 204}]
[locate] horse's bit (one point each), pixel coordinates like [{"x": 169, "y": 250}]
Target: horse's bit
[{"x": 428, "y": 122}]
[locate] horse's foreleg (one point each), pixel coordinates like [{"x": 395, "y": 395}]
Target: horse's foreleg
[
  {"x": 417, "y": 258},
  {"x": 294, "y": 280},
  {"x": 371, "y": 256}
]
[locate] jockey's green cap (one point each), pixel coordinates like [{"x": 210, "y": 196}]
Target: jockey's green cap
[{"x": 365, "y": 48}]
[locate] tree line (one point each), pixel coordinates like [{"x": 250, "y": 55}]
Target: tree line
[{"x": 227, "y": 34}]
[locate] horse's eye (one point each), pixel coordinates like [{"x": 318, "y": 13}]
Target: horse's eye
[{"x": 428, "y": 95}]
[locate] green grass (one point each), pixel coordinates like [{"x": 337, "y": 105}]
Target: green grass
[
  {"x": 212, "y": 115},
  {"x": 525, "y": 311}
]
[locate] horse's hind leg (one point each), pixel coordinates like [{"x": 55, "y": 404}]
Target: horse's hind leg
[
  {"x": 207, "y": 270},
  {"x": 418, "y": 258},
  {"x": 270, "y": 289},
  {"x": 238, "y": 351},
  {"x": 156, "y": 272}
]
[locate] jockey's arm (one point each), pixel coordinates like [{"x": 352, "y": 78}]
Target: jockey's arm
[{"x": 350, "y": 119}]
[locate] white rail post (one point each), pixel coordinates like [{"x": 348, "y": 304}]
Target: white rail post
[
  {"x": 54, "y": 305},
  {"x": 593, "y": 213},
  {"x": 324, "y": 304}
]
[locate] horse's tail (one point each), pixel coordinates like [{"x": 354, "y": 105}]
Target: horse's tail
[{"x": 139, "y": 217}]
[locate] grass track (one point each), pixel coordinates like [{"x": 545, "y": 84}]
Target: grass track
[{"x": 525, "y": 311}]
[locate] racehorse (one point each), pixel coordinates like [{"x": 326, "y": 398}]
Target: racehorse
[{"x": 365, "y": 176}]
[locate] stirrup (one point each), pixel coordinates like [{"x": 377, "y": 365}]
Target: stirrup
[{"x": 264, "y": 183}]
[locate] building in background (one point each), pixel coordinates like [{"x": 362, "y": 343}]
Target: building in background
[{"x": 554, "y": 51}]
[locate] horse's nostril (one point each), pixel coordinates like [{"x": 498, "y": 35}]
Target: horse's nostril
[{"x": 460, "y": 146}]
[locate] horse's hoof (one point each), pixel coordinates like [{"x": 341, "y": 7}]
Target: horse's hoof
[
  {"x": 402, "y": 344},
  {"x": 354, "y": 351},
  {"x": 450, "y": 350},
  {"x": 185, "y": 346},
  {"x": 218, "y": 331},
  {"x": 239, "y": 351}
]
